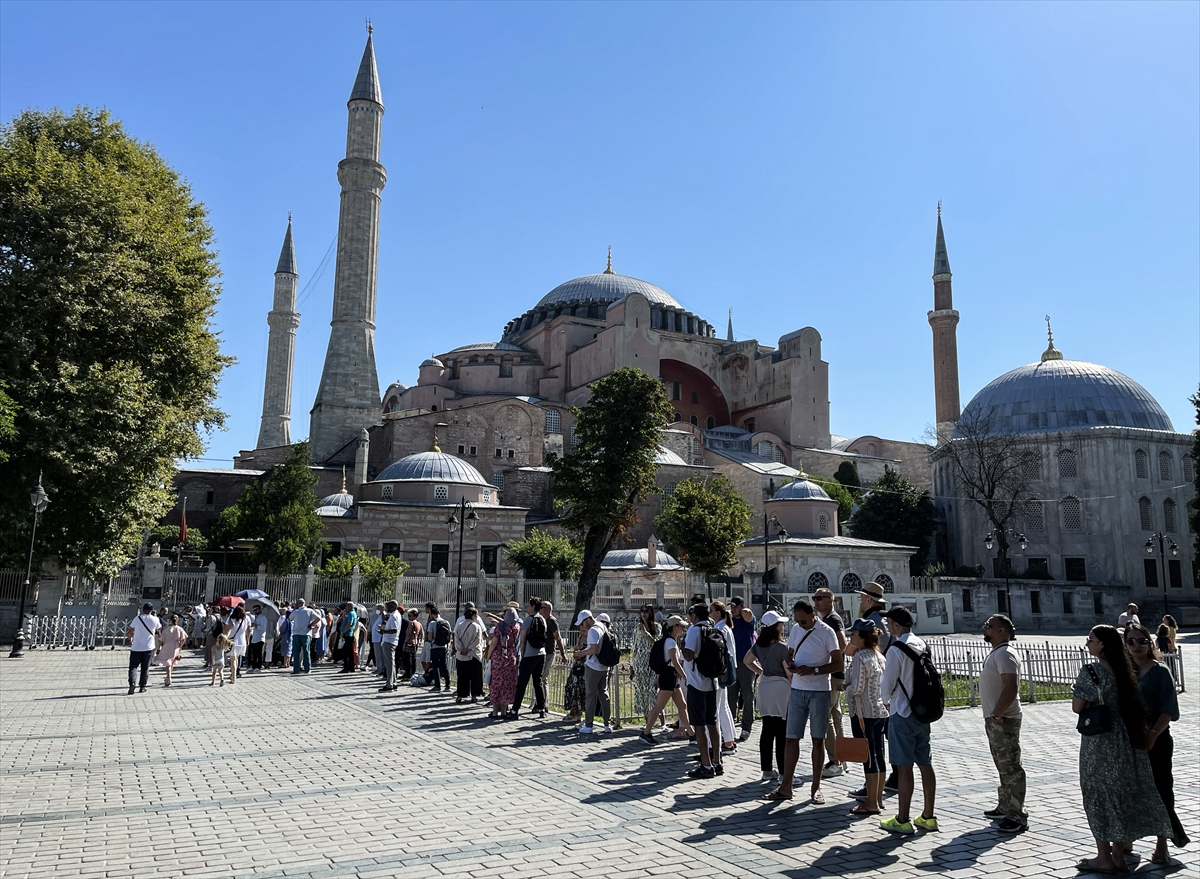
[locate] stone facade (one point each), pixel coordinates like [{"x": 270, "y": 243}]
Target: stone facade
[{"x": 208, "y": 492}]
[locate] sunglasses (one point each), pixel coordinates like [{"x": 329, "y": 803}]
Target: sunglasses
[{"x": 1140, "y": 642}]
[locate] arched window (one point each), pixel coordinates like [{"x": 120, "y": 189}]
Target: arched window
[
  {"x": 678, "y": 417},
  {"x": 1141, "y": 464},
  {"x": 506, "y": 367},
  {"x": 817, "y": 580},
  {"x": 695, "y": 421},
  {"x": 851, "y": 583},
  {"x": 498, "y": 478},
  {"x": 886, "y": 582},
  {"x": 1031, "y": 465},
  {"x": 871, "y": 449},
  {"x": 1169, "y": 516},
  {"x": 1072, "y": 513},
  {"x": 1189, "y": 472},
  {"x": 695, "y": 397},
  {"x": 1035, "y": 518},
  {"x": 711, "y": 422},
  {"x": 1066, "y": 464},
  {"x": 1145, "y": 514},
  {"x": 823, "y": 522},
  {"x": 553, "y": 421},
  {"x": 675, "y": 390},
  {"x": 1164, "y": 466}
]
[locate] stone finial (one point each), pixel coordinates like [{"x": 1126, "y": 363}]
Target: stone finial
[{"x": 1051, "y": 353}]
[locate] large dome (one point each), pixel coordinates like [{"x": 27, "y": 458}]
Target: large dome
[
  {"x": 605, "y": 288},
  {"x": 1060, "y": 395},
  {"x": 432, "y": 467}
]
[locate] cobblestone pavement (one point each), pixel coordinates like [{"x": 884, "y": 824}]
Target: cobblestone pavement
[{"x": 321, "y": 776}]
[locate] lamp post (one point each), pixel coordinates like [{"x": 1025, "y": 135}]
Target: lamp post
[
  {"x": 1163, "y": 541},
  {"x": 464, "y": 512},
  {"x": 989, "y": 541},
  {"x": 782, "y": 534},
  {"x": 39, "y": 500}
]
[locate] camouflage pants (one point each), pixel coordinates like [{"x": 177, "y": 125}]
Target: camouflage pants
[{"x": 1004, "y": 738}]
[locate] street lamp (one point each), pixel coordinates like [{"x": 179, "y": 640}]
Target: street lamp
[
  {"x": 1163, "y": 540},
  {"x": 39, "y": 500},
  {"x": 466, "y": 511},
  {"x": 989, "y": 540},
  {"x": 782, "y": 534}
]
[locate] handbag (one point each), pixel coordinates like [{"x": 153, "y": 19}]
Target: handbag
[
  {"x": 851, "y": 750},
  {"x": 1095, "y": 719}
]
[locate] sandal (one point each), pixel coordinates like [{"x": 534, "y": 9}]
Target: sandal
[
  {"x": 862, "y": 810},
  {"x": 817, "y": 798},
  {"x": 776, "y": 795},
  {"x": 1164, "y": 860},
  {"x": 1085, "y": 865}
]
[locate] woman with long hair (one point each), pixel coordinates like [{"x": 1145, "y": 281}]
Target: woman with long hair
[
  {"x": 645, "y": 684},
  {"x": 868, "y": 714},
  {"x": 1157, "y": 688},
  {"x": 669, "y": 683},
  {"x": 1172, "y": 629},
  {"x": 502, "y": 662},
  {"x": 1119, "y": 796},
  {"x": 767, "y": 657},
  {"x": 723, "y": 619},
  {"x": 238, "y": 633}
]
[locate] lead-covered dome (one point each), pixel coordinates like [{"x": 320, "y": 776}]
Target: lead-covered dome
[
  {"x": 1058, "y": 395},
  {"x": 801, "y": 489},
  {"x": 606, "y": 288},
  {"x": 432, "y": 467}
]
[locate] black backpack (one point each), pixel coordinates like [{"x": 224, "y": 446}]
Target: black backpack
[
  {"x": 441, "y": 634},
  {"x": 608, "y": 654},
  {"x": 928, "y": 698},
  {"x": 712, "y": 660},
  {"x": 536, "y": 636},
  {"x": 658, "y": 656}
]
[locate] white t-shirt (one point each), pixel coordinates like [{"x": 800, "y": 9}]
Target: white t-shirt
[
  {"x": 595, "y": 633},
  {"x": 1126, "y": 618},
  {"x": 899, "y": 670},
  {"x": 258, "y": 631},
  {"x": 392, "y": 621},
  {"x": 237, "y": 632},
  {"x": 695, "y": 680},
  {"x": 144, "y": 626},
  {"x": 668, "y": 646},
  {"x": 818, "y": 643},
  {"x": 1003, "y": 660},
  {"x": 376, "y": 619}
]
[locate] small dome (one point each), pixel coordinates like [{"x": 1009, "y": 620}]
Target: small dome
[
  {"x": 1060, "y": 395},
  {"x": 432, "y": 361},
  {"x": 802, "y": 489},
  {"x": 637, "y": 558},
  {"x": 342, "y": 500},
  {"x": 666, "y": 456},
  {"x": 335, "y": 511},
  {"x": 432, "y": 467}
]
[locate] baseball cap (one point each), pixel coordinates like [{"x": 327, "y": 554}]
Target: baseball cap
[
  {"x": 901, "y": 616},
  {"x": 604, "y": 618},
  {"x": 147, "y": 607},
  {"x": 583, "y": 615},
  {"x": 673, "y": 621},
  {"x": 862, "y": 624},
  {"x": 770, "y": 618},
  {"x": 737, "y": 599}
]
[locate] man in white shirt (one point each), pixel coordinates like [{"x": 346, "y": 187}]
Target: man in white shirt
[
  {"x": 1130, "y": 616},
  {"x": 998, "y": 692},
  {"x": 908, "y": 737},
  {"x": 389, "y": 631},
  {"x": 303, "y": 620},
  {"x": 141, "y": 645},
  {"x": 376, "y": 618},
  {"x": 813, "y": 655},
  {"x": 595, "y": 673},
  {"x": 702, "y": 695}
]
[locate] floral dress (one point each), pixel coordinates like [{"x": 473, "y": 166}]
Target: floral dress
[
  {"x": 502, "y": 684},
  {"x": 645, "y": 682},
  {"x": 575, "y": 692},
  {"x": 1119, "y": 796}
]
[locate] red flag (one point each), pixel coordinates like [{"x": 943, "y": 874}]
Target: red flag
[{"x": 183, "y": 523}]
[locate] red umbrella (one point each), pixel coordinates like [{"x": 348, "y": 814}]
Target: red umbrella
[{"x": 229, "y": 601}]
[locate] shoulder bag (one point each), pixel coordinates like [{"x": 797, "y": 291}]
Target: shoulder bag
[{"x": 1095, "y": 719}]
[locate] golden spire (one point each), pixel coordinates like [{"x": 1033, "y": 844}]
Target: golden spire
[
  {"x": 435, "y": 447},
  {"x": 1051, "y": 353},
  {"x": 609, "y": 271}
]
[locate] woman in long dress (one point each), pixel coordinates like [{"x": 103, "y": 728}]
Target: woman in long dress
[
  {"x": 1119, "y": 796},
  {"x": 502, "y": 662},
  {"x": 645, "y": 681},
  {"x": 575, "y": 690},
  {"x": 171, "y": 650}
]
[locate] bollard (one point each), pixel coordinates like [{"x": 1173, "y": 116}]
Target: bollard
[{"x": 971, "y": 678}]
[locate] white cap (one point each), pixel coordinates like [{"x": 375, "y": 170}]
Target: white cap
[
  {"x": 603, "y": 618},
  {"x": 583, "y": 615},
  {"x": 770, "y": 618}
]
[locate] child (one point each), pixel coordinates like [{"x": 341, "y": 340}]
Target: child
[{"x": 221, "y": 647}]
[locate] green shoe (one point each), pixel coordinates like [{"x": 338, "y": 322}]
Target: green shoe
[
  {"x": 895, "y": 825},
  {"x": 929, "y": 825}
]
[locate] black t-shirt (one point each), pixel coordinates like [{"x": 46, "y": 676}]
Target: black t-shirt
[
  {"x": 835, "y": 622},
  {"x": 551, "y": 629}
]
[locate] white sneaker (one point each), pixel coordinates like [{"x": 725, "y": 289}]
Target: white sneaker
[
  {"x": 833, "y": 770},
  {"x": 586, "y": 730},
  {"x": 607, "y": 728}
]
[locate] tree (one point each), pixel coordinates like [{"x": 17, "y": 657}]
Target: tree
[
  {"x": 540, "y": 554},
  {"x": 1194, "y": 503},
  {"x": 8, "y": 414},
  {"x": 847, "y": 475},
  {"x": 993, "y": 470},
  {"x": 377, "y": 573},
  {"x": 707, "y": 520},
  {"x": 279, "y": 511},
  {"x": 895, "y": 511},
  {"x": 610, "y": 468},
  {"x": 108, "y": 282},
  {"x": 839, "y": 493}
]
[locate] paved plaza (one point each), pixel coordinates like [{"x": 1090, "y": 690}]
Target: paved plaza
[{"x": 321, "y": 776}]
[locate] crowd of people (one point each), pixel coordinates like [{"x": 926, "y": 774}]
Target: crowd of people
[{"x": 723, "y": 670}]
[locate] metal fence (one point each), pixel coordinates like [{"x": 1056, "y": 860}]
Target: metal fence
[
  {"x": 184, "y": 587},
  {"x": 331, "y": 590},
  {"x": 12, "y": 583}
]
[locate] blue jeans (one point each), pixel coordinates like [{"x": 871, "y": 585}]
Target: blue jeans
[
  {"x": 908, "y": 740},
  {"x": 300, "y": 654},
  {"x": 808, "y": 708}
]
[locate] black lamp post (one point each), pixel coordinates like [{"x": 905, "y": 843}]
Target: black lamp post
[
  {"x": 782, "y": 534},
  {"x": 1163, "y": 542},
  {"x": 989, "y": 540},
  {"x": 39, "y": 500},
  {"x": 464, "y": 512}
]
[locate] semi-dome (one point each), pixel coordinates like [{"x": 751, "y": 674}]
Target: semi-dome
[
  {"x": 1059, "y": 395},
  {"x": 802, "y": 489},
  {"x": 432, "y": 467},
  {"x": 663, "y": 455},
  {"x": 606, "y": 288}
]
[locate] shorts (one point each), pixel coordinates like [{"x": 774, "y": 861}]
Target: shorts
[
  {"x": 808, "y": 707},
  {"x": 218, "y": 659},
  {"x": 668, "y": 681},
  {"x": 908, "y": 741},
  {"x": 702, "y": 706}
]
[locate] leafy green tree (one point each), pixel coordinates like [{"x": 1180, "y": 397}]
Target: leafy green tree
[
  {"x": 839, "y": 493},
  {"x": 541, "y": 554},
  {"x": 8, "y": 414},
  {"x": 279, "y": 511},
  {"x": 707, "y": 520},
  {"x": 108, "y": 282},
  {"x": 610, "y": 468},
  {"x": 377, "y": 574},
  {"x": 847, "y": 475},
  {"x": 895, "y": 511},
  {"x": 167, "y": 537}
]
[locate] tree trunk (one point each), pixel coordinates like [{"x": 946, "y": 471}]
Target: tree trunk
[{"x": 596, "y": 545}]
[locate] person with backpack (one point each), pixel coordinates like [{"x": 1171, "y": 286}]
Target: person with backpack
[
  {"x": 599, "y": 645},
  {"x": 664, "y": 664},
  {"x": 211, "y": 627},
  {"x": 705, "y": 650},
  {"x": 440, "y": 637},
  {"x": 813, "y": 655},
  {"x": 531, "y": 647},
  {"x": 911, "y": 688}
]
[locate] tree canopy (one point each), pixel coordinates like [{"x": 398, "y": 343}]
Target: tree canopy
[
  {"x": 8, "y": 414},
  {"x": 377, "y": 573},
  {"x": 278, "y": 511},
  {"x": 894, "y": 510},
  {"x": 167, "y": 537},
  {"x": 610, "y": 467},
  {"x": 108, "y": 282},
  {"x": 847, "y": 475},
  {"x": 541, "y": 554},
  {"x": 846, "y": 500},
  {"x": 706, "y": 520}
]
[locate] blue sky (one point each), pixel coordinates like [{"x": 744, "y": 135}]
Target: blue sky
[{"x": 784, "y": 160}]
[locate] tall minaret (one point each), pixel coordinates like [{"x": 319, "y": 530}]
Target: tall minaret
[
  {"x": 944, "y": 321},
  {"x": 348, "y": 398},
  {"x": 281, "y": 350}
]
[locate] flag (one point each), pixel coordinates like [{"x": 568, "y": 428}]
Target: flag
[{"x": 183, "y": 523}]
